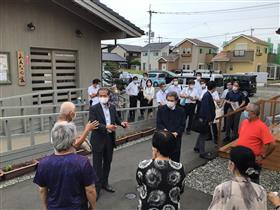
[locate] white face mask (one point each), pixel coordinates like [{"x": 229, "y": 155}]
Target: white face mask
[
  {"x": 234, "y": 88},
  {"x": 135, "y": 81},
  {"x": 175, "y": 83},
  {"x": 198, "y": 77},
  {"x": 103, "y": 100},
  {"x": 191, "y": 86},
  {"x": 203, "y": 85},
  {"x": 170, "y": 104}
]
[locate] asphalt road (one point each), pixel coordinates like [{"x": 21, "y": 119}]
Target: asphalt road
[{"x": 24, "y": 195}]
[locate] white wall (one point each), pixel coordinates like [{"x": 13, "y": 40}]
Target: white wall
[{"x": 153, "y": 58}]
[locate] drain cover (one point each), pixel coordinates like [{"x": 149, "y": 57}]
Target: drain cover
[{"x": 130, "y": 196}]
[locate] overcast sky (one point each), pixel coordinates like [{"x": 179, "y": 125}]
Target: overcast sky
[{"x": 174, "y": 28}]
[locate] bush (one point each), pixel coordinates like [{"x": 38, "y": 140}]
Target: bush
[{"x": 111, "y": 66}]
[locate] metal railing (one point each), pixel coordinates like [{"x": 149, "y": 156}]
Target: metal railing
[
  {"x": 42, "y": 123},
  {"x": 79, "y": 94}
]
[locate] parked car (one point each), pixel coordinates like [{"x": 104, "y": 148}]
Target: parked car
[
  {"x": 157, "y": 78},
  {"x": 247, "y": 82},
  {"x": 168, "y": 75}
]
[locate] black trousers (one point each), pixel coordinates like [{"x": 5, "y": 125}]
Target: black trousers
[
  {"x": 232, "y": 125},
  {"x": 142, "y": 101},
  {"x": 102, "y": 162},
  {"x": 132, "y": 103},
  {"x": 175, "y": 156},
  {"x": 190, "y": 109}
]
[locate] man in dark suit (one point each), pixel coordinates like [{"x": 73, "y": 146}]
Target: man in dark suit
[
  {"x": 171, "y": 117},
  {"x": 103, "y": 138},
  {"x": 207, "y": 113}
]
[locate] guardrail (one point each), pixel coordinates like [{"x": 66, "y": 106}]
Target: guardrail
[
  {"x": 37, "y": 97},
  {"x": 46, "y": 121}
]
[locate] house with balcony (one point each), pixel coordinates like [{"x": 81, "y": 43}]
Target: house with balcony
[
  {"x": 242, "y": 54},
  {"x": 131, "y": 53},
  {"x": 189, "y": 54},
  {"x": 157, "y": 50}
]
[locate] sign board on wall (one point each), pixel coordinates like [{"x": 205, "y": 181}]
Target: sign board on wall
[
  {"x": 21, "y": 68},
  {"x": 5, "y": 68}
]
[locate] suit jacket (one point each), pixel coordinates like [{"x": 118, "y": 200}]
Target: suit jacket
[
  {"x": 172, "y": 120},
  {"x": 207, "y": 110},
  {"x": 100, "y": 136}
]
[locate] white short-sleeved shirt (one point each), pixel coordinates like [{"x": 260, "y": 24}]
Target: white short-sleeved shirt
[
  {"x": 92, "y": 90},
  {"x": 174, "y": 88},
  {"x": 215, "y": 96},
  {"x": 198, "y": 87},
  {"x": 161, "y": 97},
  {"x": 132, "y": 89},
  {"x": 224, "y": 94},
  {"x": 202, "y": 93},
  {"x": 190, "y": 92}
]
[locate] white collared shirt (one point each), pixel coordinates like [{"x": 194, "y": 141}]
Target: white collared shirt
[
  {"x": 132, "y": 89},
  {"x": 106, "y": 112},
  {"x": 189, "y": 92},
  {"x": 149, "y": 93},
  {"x": 92, "y": 90},
  {"x": 202, "y": 93},
  {"x": 174, "y": 88},
  {"x": 215, "y": 96},
  {"x": 161, "y": 97},
  {"x": 224, "y": 94},
  {"x": 198, "y": 87}
]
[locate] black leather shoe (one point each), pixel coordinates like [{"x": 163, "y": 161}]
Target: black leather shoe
[
  {"x": 196, "y": 150},
  {"x": 97, "y": 195},
  {"x": 108, "y": 188}
]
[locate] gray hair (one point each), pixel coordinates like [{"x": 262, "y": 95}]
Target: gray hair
[
  {"x": 256, "y": 108},
  {"x": 172, "y": 94},
  {"x": 63, "y": 136},
  {"x": 67, "y": 107}
]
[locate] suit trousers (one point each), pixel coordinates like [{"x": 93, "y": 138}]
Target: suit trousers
[
  {"x": 175, "y": 156},
  {"x": 132, "y": 103},
  {"x": 190, "y": 109},
  {"x": 200, "y": 142},
  {"x": 102, "y": 162}
]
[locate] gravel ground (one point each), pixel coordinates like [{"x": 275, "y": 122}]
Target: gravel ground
[{"x": 207, "y": 177}]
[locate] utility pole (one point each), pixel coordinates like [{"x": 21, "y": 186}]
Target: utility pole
[
  {"x": 149, "y": 34},
  {"x": 252, "y": 30},
  {"x": 159, "y": 38}
]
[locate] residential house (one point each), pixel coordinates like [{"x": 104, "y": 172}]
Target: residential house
[
  {"x": 132, "y": 53},
  {"x": 52, "y": 44},
  {"x": 109, "y": 58},
  {"x": 157, "y": 50},
  {"x": 242, "y": 54},
  {"x": 189, "y": 54}
]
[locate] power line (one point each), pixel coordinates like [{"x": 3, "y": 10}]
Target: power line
[{"x": 239, "y": 9}]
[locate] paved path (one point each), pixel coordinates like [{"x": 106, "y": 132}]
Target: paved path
[{"x": 24, "y": 195}]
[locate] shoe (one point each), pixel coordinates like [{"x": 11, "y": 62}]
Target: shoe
[
  {"x": 226, "y": 139},
  {"x": 97, "y": 195},
  {"x": 207, "y": 156},
  {"x": 108, "y": 188},
  {"x": 196, "y": 150},
  {"x": 188, "y": 132}
]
